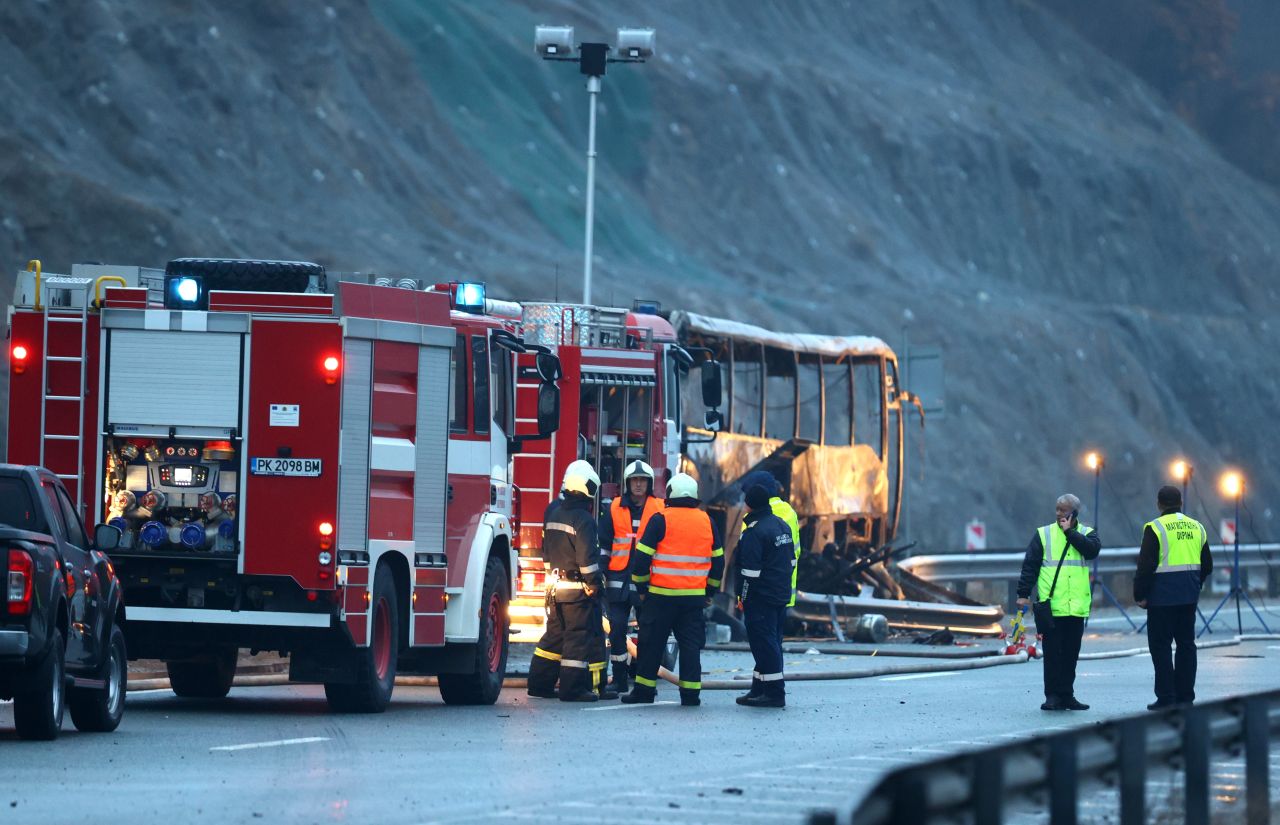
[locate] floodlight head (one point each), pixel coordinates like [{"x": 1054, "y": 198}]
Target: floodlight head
[
  {"x": 1232, "y": 484},
  {"x": 553, "y": 41},
  {"x": 635, "y": 44},
  {"x": 1179, "y": 469},
  {"x": 1093, "y": 461}
]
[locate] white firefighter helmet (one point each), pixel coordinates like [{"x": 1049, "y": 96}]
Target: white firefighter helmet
[
  {"x": 580, "y": 477},
  {"x": 682, "y": 485},
  {"x": 638, "y": 468}
]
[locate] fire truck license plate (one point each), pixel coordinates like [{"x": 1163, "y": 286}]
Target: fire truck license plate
[{"x": 305, "y": 467}]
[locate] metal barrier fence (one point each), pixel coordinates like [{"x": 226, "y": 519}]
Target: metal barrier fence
[
  {"x": 974, "y": 785},
  {"x": 1005, "y": 566}
]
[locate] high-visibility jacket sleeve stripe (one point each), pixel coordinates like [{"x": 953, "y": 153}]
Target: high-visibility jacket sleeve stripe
[
  {"x": 719, "y": 551},
  {"x": 638, "y": 579},
  {"x": 562, "y": 527},
  {"x": 751, "y": 574},
  {"x": 646, "y": 549},
  {"x": 590, "y": 568},
  {"x": 769, "y": 677},
  {"x": 713, "y": 583},
  {"x": 574, "y": 663}
]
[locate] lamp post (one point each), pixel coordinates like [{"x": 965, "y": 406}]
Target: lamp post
[
  {"x": 1181, "y": 470},
  {"x": 557, "y": 43},
  {"x": 1094, "y": 461},
  {"x": 1232, "y": 486}
]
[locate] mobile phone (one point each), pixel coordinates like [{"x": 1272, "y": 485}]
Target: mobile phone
[{"x": 1075, "y": 514}]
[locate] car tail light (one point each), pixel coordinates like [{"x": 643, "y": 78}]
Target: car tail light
[
  {"x": 19, "y": 354},
  {"x": 21, "y": 574},
  {"x": 326, "y": 535}
]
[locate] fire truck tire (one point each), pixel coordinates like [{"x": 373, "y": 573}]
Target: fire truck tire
[
  {"x": 375, "y": 664},
  {"x": 208, "y": 677},
  {"x": 483, "y": 684},
  {"x": 248, "y": 275},
  {"x": 38, "y": 707},
  {"x": 100, "y": 710}
]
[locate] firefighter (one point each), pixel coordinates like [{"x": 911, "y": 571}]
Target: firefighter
[
  {"x": 765, "y": 559},
  {"x": 1173, "y": 564},
  {"x": 677, "y": 567},
  {"x": 572, "y": 648},
  {"x": 625, "y": 521},
  {"x": 784, "y": 511}
]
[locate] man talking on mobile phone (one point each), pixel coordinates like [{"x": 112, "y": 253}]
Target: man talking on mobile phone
[{"x": 1057, "y": 566}]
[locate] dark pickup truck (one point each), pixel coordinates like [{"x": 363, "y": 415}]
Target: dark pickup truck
[{"x": 61, "y": 634}]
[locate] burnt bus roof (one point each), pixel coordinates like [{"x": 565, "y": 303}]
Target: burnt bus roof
[{"x": 831, "y": 346}]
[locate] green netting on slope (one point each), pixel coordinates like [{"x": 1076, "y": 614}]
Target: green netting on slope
[{"x": 502, "y": 100}]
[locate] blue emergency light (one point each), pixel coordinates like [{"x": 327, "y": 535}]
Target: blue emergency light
[
  {"x": 185, "y": 292},
  {"x": 469, "y": 297}
]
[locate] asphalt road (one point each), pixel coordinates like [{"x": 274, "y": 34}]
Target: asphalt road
[{"x": 276, "y": 754}]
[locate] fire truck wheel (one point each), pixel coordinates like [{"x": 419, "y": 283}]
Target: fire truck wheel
[
  {"x": 483, "y": 684},
  {"x": 206, "y": 677},
  {"x": 37, "y": 708},
  {"x": 375, "y": 664},
  {"x": 101, "y": 709}
]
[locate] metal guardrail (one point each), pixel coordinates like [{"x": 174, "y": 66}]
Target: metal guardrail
[
  {"x": 974, "y": 785},
  {"x": 982, "y": 620},
  {"x": 1008, "y": 566}
]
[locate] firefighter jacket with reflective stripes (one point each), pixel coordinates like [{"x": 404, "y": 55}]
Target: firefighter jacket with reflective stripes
[
  {"x": 1081, "y": 545},
  {"x": 787, "y": 513},
  {"x": 679, "y": 553},
  {"x": 765, "y": 558},
  {"x": 624, "y": 525},
  {"x": 569, "y": 541},
  {"x": 1173, "y": 562}
]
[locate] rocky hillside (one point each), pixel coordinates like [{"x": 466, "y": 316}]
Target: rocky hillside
[{"x": 1097, "y": 274}]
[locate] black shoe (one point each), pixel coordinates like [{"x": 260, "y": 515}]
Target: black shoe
[
  {"x": 690, "y": 700},
  {"x": 745, "y": 698},
  {"x": 1161, "y": 704},
  {"x": 608, "y": 694},
  {"x": 638, "y": 696},
  {"x": 1052, "y": 704},
  {"x": 543, "y": 694},
  {"x": 762, "y": 701},
  {"x": 1074, "y": 704},
  {"x": 584, "y": 696}
]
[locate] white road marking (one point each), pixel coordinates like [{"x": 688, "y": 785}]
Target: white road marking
[
  {"x": 640, "y": 705},
  {"x": 276, "y": 744},
  {"x": 904, "y": 677}
]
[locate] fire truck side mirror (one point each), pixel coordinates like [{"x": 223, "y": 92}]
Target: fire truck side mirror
[
  {"x": 711, "y": 391},
  {"x": 548, "y": 409},
  {"x": 548, "y": 370},
  {"x": 106, "y": 537}
]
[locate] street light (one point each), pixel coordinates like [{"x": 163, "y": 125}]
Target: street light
[
  {"x": 1094, "y": 461},
  {"x": 1232, "y": 486},
  {"x": 557, "y": 43},
  {"x": 1182, "y": 471}
]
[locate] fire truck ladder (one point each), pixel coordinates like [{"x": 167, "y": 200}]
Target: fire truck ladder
[{"x": 66, "y": 314}]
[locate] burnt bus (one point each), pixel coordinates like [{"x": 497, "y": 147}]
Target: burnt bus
[{"x": 823, "y": 413}]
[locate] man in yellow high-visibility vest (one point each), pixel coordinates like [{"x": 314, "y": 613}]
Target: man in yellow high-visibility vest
[
  {"x": 1173, "y": 564},
  {"x": 1057, "y": 567}
]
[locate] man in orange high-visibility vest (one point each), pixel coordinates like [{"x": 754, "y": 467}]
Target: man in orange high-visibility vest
[
  {"x": 679, "y": 562},
  {"x": 620, "y": 526}
]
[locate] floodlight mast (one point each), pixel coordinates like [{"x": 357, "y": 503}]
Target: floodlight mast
[{"x": 557, "y": 43}]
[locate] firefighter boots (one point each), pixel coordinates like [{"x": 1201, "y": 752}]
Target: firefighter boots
[{"x": 640, "y": 694}]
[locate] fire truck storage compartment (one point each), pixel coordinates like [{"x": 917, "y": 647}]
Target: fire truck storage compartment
[{"x": 173, "y": 379}]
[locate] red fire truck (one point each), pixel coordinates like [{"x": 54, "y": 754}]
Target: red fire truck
[
  {"x": 321, "y": 473},
  {"x": 623, "y": 372}
]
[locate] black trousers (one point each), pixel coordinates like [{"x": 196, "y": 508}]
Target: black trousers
[
  {"x": 1175, "y": 675},
  {"x": 1061, "y": 650},
  {"x": 619, "y": 612},
  {"x": 659, "y": 617},
  {"x": 571, "y": 650},
  {"x": 764, "y": 634}
]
